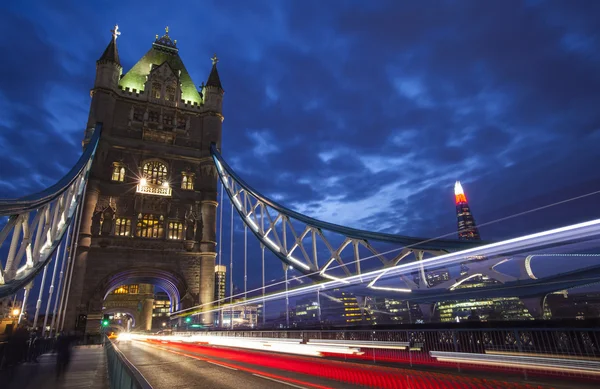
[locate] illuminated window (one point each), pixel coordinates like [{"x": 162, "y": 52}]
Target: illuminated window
[
  {"x": 123, "y": 226},
  {"x": 118, "y": 172},
  {"x": 175, "y": 230},
  {"x": 187, "y": 181},
  {"x": 156, "y": 90},
  {"x": 123, "y": 289},
  {"x": 155, "y": 172},
  {"x": 149, "y": 226},
  {"x": 170, "y": 92},
  {"x": 134, "y": 289}
]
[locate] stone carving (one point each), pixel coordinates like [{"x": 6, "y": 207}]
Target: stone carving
[
  {"x": 123, "y": 204},
  {"x": 154, "y": 204},
  {"x": 96, "y": 223},
  {"x": 190, "y": 223},
  {"x": 102, "y": 204},
  {"x": 108, "y": 217},
  {"x": 208, "y": 171},
  {"x": 176, "y": 210}
]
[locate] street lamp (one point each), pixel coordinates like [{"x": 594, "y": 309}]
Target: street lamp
[
  {"x": 164, "y": 324},
  {"x": 143, "y": 181},
  {"x": 16, "y": 311}
]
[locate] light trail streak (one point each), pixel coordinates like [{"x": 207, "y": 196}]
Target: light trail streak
[
  {"x": 519, "y": 244},
  {"x": 290, "y": 346},
  {"x": 534, "y": 363}
]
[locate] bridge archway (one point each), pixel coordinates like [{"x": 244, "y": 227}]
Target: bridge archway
[
  {"x": 128, "y": 311},
  {"x": 173, "y": 284}
]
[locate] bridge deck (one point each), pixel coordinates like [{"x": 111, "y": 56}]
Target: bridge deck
[{"x": 86, "y": 371}]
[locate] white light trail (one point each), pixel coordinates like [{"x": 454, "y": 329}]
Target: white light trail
[
  {"x": 527, "y": 242},
  {"x": 535, "y": 363},
  {"x": 287, "y": 346}
]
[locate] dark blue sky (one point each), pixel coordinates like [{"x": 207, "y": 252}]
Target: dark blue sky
[{"x": 359, "y": 113}]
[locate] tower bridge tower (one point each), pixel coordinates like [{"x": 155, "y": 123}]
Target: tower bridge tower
[{"x": 149, "y": 214}]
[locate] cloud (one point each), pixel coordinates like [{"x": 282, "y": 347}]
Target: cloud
[{"x": 356, "y": 113}]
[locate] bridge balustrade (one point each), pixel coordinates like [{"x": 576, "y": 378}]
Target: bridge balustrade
[
  {"x": 576, "y": 347},
  {"x": 122, "y": 374}
]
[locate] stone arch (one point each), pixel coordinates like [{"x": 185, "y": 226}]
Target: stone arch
[
  {"x": 134, "y": 315},
  {"x": 172, "y": 283}
]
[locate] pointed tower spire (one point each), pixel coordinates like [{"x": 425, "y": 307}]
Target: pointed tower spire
[
  {"x": 111, "y": 54},
  {"x": 467, "y": 228},
  {"x": 213, "y": 78}
]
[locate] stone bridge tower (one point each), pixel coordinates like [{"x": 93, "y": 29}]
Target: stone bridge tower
[{"x": 150, "y": 208}]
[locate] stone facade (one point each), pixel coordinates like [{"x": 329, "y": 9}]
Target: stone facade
[{"x": 149, "y": 212}]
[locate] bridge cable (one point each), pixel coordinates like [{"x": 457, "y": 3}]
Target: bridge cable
[
  {"x": 430, "y": 239},
  {"x": 231, "y": 272},
  {"x": 73, "y": 254},
  {"x": 60, "y": 281},
  {"x": 52, "y": 278}
]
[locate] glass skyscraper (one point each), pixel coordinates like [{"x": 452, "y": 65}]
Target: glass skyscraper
[{"x": 467, "y": 229}]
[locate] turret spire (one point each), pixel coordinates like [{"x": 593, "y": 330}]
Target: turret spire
[
  {"x": 213, "y": 78},
  {"x": 111, "y": 54}
]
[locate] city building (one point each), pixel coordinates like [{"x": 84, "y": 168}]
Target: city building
[
  {"x": 220, "y": 282},
  {"x": 243, "y": 317},
  {"x": 149, "y": 213},
  {"x": 160, "y": 309},
  {"x": 10, "y": 310},
  {"x": 467, "y": 229},
  {"x": 342, "y": 308},
  {"x": 386, "y": 310},
  {"x": 307, "y": 312},
  {"x": 579, "y": 306},
  {"x": 504, "y": 308}
]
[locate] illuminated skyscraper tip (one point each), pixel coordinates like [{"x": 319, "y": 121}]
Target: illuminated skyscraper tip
[
  {"x": 458, "y": 189},
  {"x": 467, "y": 229},
  {"x": 459, "y": 194}
]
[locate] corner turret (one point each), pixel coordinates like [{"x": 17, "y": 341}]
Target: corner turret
[
  {"x": 213, "y": 90},
  {"x": 108, "y": 67}
]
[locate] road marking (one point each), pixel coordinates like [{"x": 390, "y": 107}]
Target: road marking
[
  {"x": 244, "y": 369},
  {"x": 218, "y": 364},
  {"x": 281, "y": 382}
]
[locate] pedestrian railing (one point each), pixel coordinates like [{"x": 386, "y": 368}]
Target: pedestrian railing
[{"x": 122, "y": 374}]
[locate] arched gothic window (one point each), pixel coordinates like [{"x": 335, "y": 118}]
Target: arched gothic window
[
  {"x": 156, "y": 87},
  {"x": 150, "y": 226},
  {"x": 170, "y": 91},
  {"x": 155, "y": 172},
  {"x": 187, "y": 181},
  {"x": 118, "y": 172}
]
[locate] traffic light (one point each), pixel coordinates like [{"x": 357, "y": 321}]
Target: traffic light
[
  {"x": 188, "y": 319},
  {"x": 105, "y": 320},
  {"x": 104, "y": 323}
]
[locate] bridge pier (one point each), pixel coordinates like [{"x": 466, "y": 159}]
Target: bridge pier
[{"x": 74, "y": 304}]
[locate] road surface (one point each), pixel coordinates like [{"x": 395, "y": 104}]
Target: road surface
[{"x": 165, "y": 367}]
